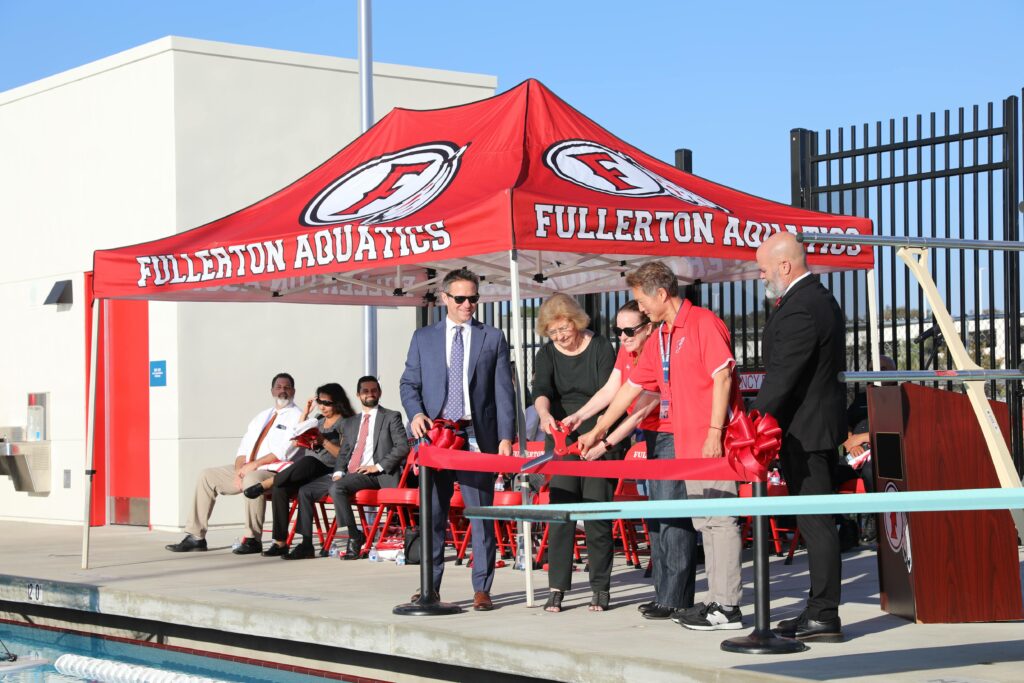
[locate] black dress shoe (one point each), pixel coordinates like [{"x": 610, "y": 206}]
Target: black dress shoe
[
  {"x": 658, "y": 611},
  {"x": 354, "y": 547},
  {"x": 803, "y": 628},
  {"x": 302, "y": 551},
  {"x": 645, "y": 605},
  {"x": 275, "y": 550},
  {"x": 249, "y": 546},
  {"x": 254, "y": 491},
  {"x": 187, "y": 544}
]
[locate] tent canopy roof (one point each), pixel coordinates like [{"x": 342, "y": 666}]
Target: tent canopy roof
[{"x": 421, "y": 192}]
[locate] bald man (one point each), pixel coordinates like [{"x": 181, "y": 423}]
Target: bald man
[{"x": 804, "y": 349}]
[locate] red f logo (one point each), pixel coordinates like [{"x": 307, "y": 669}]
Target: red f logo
[
  {"x": 604, "y": 166},
  {"x": 395, "y": 179}
]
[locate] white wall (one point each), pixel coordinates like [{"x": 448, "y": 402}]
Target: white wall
[
  {"x": 86, "y": 162},
  {"x": 163, "y": 138}
]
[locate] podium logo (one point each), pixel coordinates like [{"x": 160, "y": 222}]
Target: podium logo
[
  {"x": 597, "y": 167},
  {"x": 897, "y": 531},
  {"x": 387, "y": 188}
]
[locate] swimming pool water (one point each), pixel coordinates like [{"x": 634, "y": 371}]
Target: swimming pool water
[{"x": 26, "y": 641}]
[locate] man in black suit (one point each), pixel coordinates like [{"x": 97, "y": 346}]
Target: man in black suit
[
  {"x": 374, "y": 446},
  {"x": 804, "y": 348}
]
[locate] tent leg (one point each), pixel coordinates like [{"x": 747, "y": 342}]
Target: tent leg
[
  {"x": 90, "y": 438},
  {"x": 876, "y": 330},
  {"x": 526, "y": 530}
]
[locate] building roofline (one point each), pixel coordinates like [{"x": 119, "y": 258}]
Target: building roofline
[{"x": 243, "y": 52}]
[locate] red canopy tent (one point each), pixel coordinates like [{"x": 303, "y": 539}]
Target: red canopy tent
[
  {"x": 520, "y": 178},
  {"x": 379, "y": 221}
]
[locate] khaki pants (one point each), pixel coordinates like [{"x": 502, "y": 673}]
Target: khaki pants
[
  {"x": 723, "y": 544},
  {"x": 216, "y": 481}
]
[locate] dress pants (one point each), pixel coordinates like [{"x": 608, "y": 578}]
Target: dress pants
[
  {"x": 341, "y": 492},
  {"x": 286, "y": 484},
  {"x": 220, "y": 481},
  {"x": 477, "y": 489},
  {"x": 562, "y": 535},
  {"x": 810, "y": 473},
  {"x": 673, "y": 541},
  {"x": 723, "y": 544}
]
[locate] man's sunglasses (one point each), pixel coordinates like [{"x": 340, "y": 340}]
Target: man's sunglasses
[
  {"x": 325, "y": 403},
  {"x": 628, "y": 331},
  {"x": 459, "y": 299}
]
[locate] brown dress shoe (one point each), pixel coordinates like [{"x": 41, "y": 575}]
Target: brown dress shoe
[{"x": 482, "y": 601}]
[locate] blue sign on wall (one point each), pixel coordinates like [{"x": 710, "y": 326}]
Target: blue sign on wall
[{"x": 158, "y": 373}]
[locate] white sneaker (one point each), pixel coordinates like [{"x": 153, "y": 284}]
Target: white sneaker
[{"x": 712, "y": 618}]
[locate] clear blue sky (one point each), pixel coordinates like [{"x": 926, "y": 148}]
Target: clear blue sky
[{"x": 728, "y": 80}]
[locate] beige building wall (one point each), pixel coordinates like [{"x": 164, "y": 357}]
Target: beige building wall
[{"x": 163, "y": 138}]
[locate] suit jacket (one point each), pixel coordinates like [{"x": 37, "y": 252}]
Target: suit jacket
[
  {"x": 804, "y": 349},
  {"x": 390, "y": 444},
  {"x": 424, "y": 384}
]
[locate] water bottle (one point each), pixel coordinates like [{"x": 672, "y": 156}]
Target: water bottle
[
  {"x": 774, "y": 477},
  {"x": 335, "y": 549},
  {"x": 373, "y": 556},
  {"x": 499, "y": 483},
  {"x": 400, "y": 557}
]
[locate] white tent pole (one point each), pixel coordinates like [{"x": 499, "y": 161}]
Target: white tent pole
[
  {"x": 90, "y": 436},
  {"x": 876, "y": 328},
  {"x": 516, "y": 306},
  {"x": 366, "y": 101}
]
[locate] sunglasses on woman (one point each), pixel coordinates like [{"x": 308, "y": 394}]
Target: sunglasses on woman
[
  {"x": 460, "y": 299},
  {"x": 628, "y": 331},
  {"x": 325, "y": 403}
]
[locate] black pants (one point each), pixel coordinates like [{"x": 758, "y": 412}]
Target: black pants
[
  {"x": 561, "y": 536},
  {"x": 811, "y": 473},
  {"x": 341, "y": 492},
  {"x": 286, "y": 485}
]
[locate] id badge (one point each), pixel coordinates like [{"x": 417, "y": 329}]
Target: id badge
[{"x": 664, "y": 409}]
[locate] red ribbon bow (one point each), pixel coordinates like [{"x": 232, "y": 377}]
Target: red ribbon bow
[
  {"x": 751, "y": 443},
  {"x": 445, "y": 434}
]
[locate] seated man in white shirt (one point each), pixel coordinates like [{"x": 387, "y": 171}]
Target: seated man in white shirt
[
  {"x": 373, "y": 449},
  {"x": 266, "y": 440}
]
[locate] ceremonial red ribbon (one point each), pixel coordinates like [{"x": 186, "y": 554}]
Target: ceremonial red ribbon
[{"x": 751, "y": 443}]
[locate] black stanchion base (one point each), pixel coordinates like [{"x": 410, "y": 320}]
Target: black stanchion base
[
  {"x": 425, "y": 608},
  {"x": 763, "y": 643}
]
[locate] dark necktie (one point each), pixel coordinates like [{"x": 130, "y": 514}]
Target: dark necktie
[
  {"x": 454, "y": 404},
  {"x": 356, "y": 459}
]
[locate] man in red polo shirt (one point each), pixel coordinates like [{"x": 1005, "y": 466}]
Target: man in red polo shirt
[{"x": 689, "y": 361}]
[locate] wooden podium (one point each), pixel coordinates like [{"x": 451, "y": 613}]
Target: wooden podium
[{"x": 940, "y": 567}]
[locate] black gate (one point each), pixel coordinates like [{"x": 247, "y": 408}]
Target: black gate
[{"x": 953, "y": 175}]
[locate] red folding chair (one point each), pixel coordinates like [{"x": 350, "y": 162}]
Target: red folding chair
[{"x": 626, "y": 529}]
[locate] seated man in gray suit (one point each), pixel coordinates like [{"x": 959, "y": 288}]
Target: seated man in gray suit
[{"x": 373, "y": 450}]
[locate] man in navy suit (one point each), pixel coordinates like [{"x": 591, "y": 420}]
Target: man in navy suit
[{"x": 459, "y": 369}]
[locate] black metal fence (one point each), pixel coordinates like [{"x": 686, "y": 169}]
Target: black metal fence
[{"x": 955, "y": 175}]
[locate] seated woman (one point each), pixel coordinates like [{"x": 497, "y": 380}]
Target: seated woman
[
  {"x": 314, "y": 463},
  {"x": 569, "y": 370}
]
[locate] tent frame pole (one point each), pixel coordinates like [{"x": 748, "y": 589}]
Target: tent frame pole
[
  {"x": 90, "y": 437},
  {"x": 874, "y": 323},
  {"x": 516, "y": 310}
]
